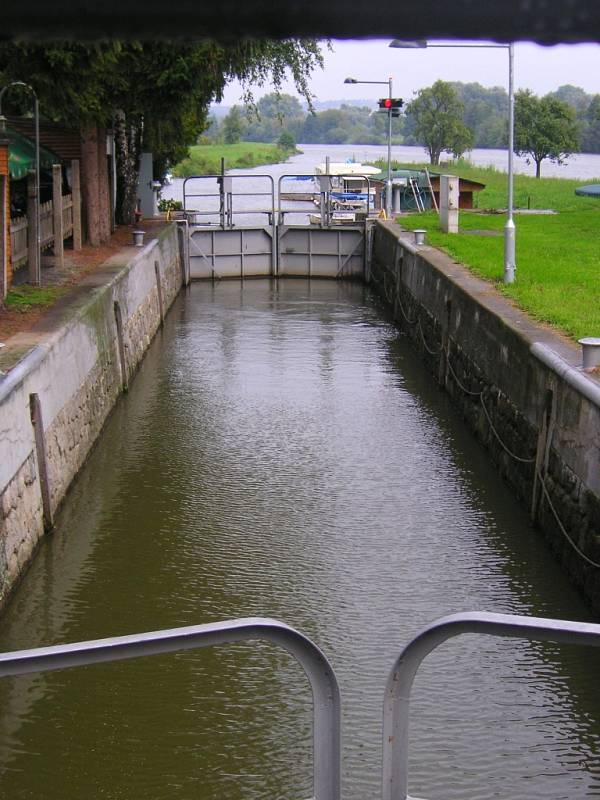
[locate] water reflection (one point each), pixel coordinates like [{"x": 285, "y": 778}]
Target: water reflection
[{"x": 282, "y": 453}]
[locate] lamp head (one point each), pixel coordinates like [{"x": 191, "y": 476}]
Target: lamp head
[
  {"x": 350, "y": 80},
  {"x": 403, "y": 44}
]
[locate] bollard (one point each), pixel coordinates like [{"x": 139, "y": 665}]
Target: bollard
[
  {"x": 591, "y": 352},
  {"x": 138, "y": 238},
  {"x": 419, "y": 237}
]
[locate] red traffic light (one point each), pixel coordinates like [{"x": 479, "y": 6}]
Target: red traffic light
[{"x": 390, "y": 103}]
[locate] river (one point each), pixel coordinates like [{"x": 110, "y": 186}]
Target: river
[
  {"x": 282, "y": 453},
  {"x": 583, "y": 166}
]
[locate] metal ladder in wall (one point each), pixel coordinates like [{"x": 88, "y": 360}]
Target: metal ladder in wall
[{"x": 322, "y": 678}]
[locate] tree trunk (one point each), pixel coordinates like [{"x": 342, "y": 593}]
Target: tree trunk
[
  {"x": 90, "y": 193},
  {"x": 103, "y": 199},
  {"x": 127, "y": 135},
  {"x": 538, "y": 168}
]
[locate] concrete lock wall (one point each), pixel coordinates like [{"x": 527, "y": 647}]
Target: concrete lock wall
[
  {"x": 519, "y": 386},
  {"x": 54, "y": 402}
]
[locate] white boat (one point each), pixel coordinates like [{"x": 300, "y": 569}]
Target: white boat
[
  {"x": 354, "y": 189},
  {"x": 350, "y": 181}
]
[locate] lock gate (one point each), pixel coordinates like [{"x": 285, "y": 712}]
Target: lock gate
[{"x": 238, "y": 226}]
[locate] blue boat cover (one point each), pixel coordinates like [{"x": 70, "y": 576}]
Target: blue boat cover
[
  {"x": 593, "y": 190},
  {"x": 350, "y": 195}
]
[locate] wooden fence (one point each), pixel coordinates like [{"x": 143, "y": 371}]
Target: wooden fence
[{"x": 67, "y": 225}]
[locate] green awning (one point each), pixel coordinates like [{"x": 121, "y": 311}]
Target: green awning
[{"x": 21, "y": 155}]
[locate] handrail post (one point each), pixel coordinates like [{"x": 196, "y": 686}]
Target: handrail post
[{"x": 401, "y": 677}]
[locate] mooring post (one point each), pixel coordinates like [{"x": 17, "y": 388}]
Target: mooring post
[
  {"x": 121, "y": 345},
  {"x": 542, "y": 454},
  {"x": 159, "y": 293},
  {"x": 35, "y": 409}
]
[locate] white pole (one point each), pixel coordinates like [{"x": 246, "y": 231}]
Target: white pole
[
  {"x": 509, "y": 228},
  {"x": 38, "y": 277},
  {"x": 388, "y": 193}
]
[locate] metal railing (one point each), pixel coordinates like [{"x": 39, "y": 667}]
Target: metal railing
[
  {"x": 324, "y": 685},
  {"x": 225, "y": 209},
  {"x": 400, "y": 680}
]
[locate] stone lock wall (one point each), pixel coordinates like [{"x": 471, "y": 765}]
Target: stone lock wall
[
  {"x": 518, "y": 385},
  {"x": 55, "y": 400}
]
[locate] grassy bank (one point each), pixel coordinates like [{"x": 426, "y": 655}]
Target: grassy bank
[
  {"x": 205, "y": 159},
  {"x": 558, "y": 256},
  {"x": 24, "y": 298}
]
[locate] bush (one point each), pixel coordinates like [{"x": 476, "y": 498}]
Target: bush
[
  {"x": 166, "y": 205},
  {"x": 286, "y": 141}
]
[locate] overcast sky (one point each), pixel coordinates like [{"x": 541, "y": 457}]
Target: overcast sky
[{"x": 541, "y": 69}]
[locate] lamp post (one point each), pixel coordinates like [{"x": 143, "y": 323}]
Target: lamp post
[
  {"x": 35, "y": 274},
  {"x": 509, "y": 227},
  {"x": 388, "y": 191}
]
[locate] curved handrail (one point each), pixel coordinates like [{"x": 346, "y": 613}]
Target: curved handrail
[
  {"x": 325, "y": 689},
  {"x": 400, "y": 680}
]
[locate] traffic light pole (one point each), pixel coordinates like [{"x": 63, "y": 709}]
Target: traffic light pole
[{"x": 392, "y": 107}]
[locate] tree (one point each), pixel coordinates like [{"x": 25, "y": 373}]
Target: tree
[
  {"x": 545, "y": 128},
  {"x": 436, "y": 114},
  {"x": 155, "y": 94},
  {"x": 590, "y": 138},
  {"x": 573, "y": 96},
  {"x": 273, "y": 114},
  {"x": 233, "y": 126},
  {"x": 485, "y": 114},
  {"x": 280, "y": 107},
  {"x": 287, "y": 141}
]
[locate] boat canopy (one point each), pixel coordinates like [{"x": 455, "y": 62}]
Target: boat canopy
[{"x": 343, "y": 168}]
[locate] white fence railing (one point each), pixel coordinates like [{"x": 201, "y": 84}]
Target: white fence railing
[
  {"x": 59, "y": 219},
  {"x": 19, "y": 230}
]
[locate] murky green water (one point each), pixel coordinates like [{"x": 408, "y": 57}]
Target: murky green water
[{"x": 281, "y": 453}]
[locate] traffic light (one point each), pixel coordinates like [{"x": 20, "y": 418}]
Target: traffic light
[{"x": 392, "y": 105}]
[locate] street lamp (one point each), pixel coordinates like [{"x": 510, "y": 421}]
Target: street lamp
[
  {"x": 509, "y": 228},
  {"x": 35, "y": 274},
  {"x": 388, "y": 191}
]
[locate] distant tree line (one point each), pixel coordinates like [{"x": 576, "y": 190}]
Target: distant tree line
[{"x": 446, "y": 117}]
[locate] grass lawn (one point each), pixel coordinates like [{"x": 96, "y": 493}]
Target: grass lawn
[
  {"x": 25, "y": 297},
  {"x": 558, "y": 256},
  {"x": 205, "y": 159}
]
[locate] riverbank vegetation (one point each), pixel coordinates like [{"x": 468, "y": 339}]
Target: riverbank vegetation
[
  {"x": 205, "y": 159},
  {"x": 558, "y": 275},
  {"x": 484, "y": 113}
]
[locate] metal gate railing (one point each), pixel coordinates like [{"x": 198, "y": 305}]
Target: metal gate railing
[
  {"x": 324, "y": 684},
  {"x": 225, "y": 209},
  {"x": 400, "y": 680}
]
